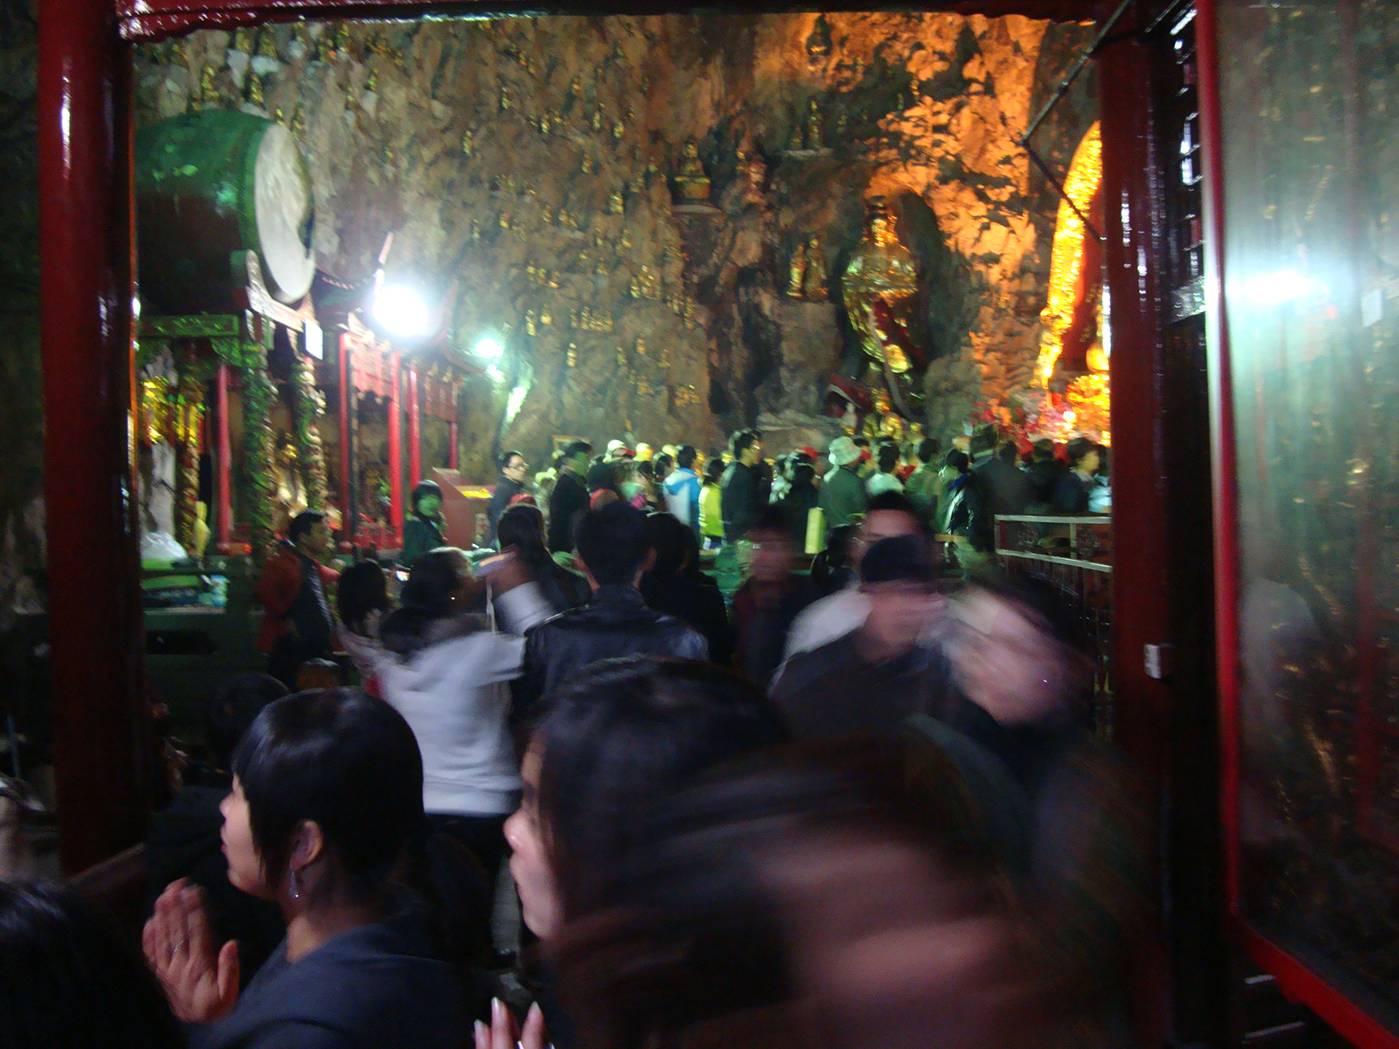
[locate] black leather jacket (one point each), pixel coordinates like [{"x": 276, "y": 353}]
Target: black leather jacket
[{"x": 616, "y": 622}]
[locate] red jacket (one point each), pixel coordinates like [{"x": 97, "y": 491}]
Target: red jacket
[{"x": 276, "y": 591}]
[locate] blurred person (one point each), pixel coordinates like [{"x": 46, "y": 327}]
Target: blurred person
[
  {"x": 569, "y": 498},
  {"x": 682, "y": 489},
  {"x": 804, "y": 897},
  {"x": 770, "y": 599},
  {"x": 922, "y": 484},
  {"x": 843, "y": 496},
  {"x": 742, "y": 486},
  {"x": 711, "y": 517},
  {"x": 1021, "y": 669},
  {"x": 1044, "y": 472},
  {"x": 832, "y": 569},
  {"x": 837, "y": 614},
  {"x": 327, "y": 796},
  {"x": 884, "y": 480},
  {"x": 620, "y": 737},
  {"x": 798, "y": 504},
  {"x": 513, "y": 481},
  {"x": 361, "y": 602},
  {"x": 961, "y": 496},
  {"x": 874, "y": 677},
  {"x": 521, "y": 533},
  {"x": 422, "y": 530},
  {"x": 675, "y": 585},
  {"x": 661, "y": 467},
  {"x": 296, "y": 623},
  {"x": 69, "y": 979},
  {"x": 1072, "y": 489},
  {"x": 446, "y": 672},
  {"x": 955, "y": 465},
  {"x": 183, "y": 839},
  {"x": 614, "y": 552}
]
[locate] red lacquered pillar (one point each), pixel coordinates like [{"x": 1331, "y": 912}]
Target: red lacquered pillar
[
  {"x": 225, "y": 484},
  {"x": 347, "y": 516},
  {"x": 452, "y": 445},
  {"x": 102, "y": 735},
  {"x": 395, "y": 451},
  {"x": 415, "y": 436}
]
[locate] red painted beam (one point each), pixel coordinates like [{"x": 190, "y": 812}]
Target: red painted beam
[
  {"x": 102, "y": 732},
  {"x": 415, "y": 433},
  {"x": 395, "y": 423},
  {"x": 347, "y": 516}
]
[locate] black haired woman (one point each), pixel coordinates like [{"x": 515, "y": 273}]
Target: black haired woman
[
  {"x": 521, "y": 532},
  {"x": 327, "y": 796},
  {"x": 69, "y": 980},
  {"x": 361, "y": 601},
  {"x": 423, "y": 530}
]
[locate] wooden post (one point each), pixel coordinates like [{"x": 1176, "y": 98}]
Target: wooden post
[
  {"x": 452, "y": 455},
  {"x": 225, "y": 465},
  {"x": 415, "y": 436},
  {"x": 102, "y": 728},
  {"x": 395, "y": 423},
  {"x": 347, "y": 518}
]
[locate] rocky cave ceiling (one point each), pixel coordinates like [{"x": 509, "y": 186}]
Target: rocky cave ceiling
[{"x": 523, "y": 166}]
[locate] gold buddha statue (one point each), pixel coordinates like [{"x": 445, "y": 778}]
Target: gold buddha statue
[
  {"x": 796, "y": 272},
  {"x": 690, "y": 184},
  {"x": 815, "y": 126},
  {"x": 878, "y": 289},
  {"x": 816, "y": 275}
]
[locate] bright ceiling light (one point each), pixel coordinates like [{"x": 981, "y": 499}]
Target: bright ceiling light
[
  {"x": 402, "y": 311},
  {"x": 489, "y": 348}
]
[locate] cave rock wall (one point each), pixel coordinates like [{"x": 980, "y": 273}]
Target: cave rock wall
[{"x": 524, "y": 166}]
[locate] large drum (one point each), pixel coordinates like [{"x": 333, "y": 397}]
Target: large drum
[{"x": 212, "y": 183}]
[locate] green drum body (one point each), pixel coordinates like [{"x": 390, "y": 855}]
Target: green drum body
[{"x": 212, "y": 183}]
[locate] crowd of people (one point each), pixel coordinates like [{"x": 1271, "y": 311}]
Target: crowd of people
[{"x": 856, "y": 803}]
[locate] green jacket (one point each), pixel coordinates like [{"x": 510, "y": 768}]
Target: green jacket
[{"x": 842, "y": 497}]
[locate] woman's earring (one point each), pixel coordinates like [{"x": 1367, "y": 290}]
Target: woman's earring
[{"x": 294, "y": 886}]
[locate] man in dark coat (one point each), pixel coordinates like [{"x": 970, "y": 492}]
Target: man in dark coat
[
  {"x": 569, "y": 497},
  {"x": 871, "y": 680},
  {"x": 513, "y": 471},
  {"x": 742, "y": 485},
  {"x": 616, "y": 622},
  {"x": 296, "y": 624},
  {"x": 843, "y": 496}
]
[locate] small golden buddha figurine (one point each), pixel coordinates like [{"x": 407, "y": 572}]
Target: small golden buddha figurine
[
  {"x": 342, "y": 37},
  {"x": 618, "y": 130},
  {"x": 179, "y": 54},
  {"x": 597, "y": 117},
  {"x": 267, "y": 43},
  {"x": 298, "y": 122},
  {"x": 255, "y": 90},
  {"x": 575, "y": 87},
  {"x": 242, "y": 41},
  {"x": 621, "y": 357},
  {"x": 468, "y": 142},
  {"x": 586, "y": 165},
  {"x": 814, "y": 280},
  {"x": 571, "y": 357},
  {"x": 531, "y": 326},
  {"x": 279, "y": 116},
  {"x": 371, "y": 82},
  {"x": 796, "y": 272},
  {"x": 640, "y": 346},
  {"x": 506, "y": 100},
  {"x": 815, "y": 126},
  {"x": 691, "y": 184},
  {"x": 615, "y": 204},
  {"x": 208, "y": 94},
  {"x": 325, "y": 48}
]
